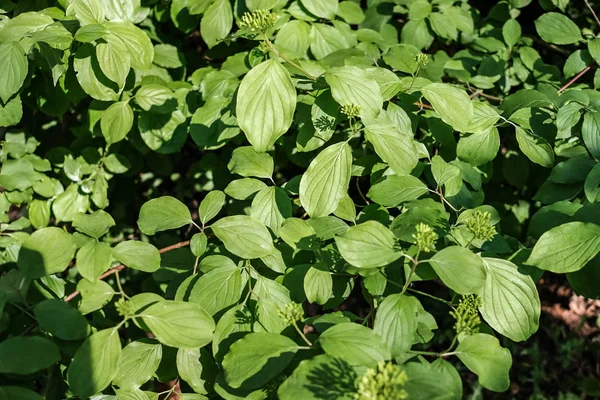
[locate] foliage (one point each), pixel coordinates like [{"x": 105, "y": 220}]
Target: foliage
[{"x": 184, "y": 180}]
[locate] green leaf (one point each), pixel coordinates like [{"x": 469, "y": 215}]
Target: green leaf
[
  {"x": 438, "y": 380},
  {"x": 17, "y": 174},
  {"x": 95, "y": 363},
  {"x": 93, "y": 259},
  {"x": 211, "y": 205},
  {"x": 244, "y": 236},
  {"x": 61, "y": 320},
  {"x": 218, "y": 289},
  {"x": 452, "y": 104},
  {"x": 483, "y": 355},
  {"x": 137, "y": 364},
  {"x": 354, "y": 343},
  {"x": 351, "y": 12},
  {"x": 47, "y": 251},
  {"x": 590, "y": 132},
  {"x": 138, "y": 44},
  {"x": 116, "y": 122},
  {"x": 393, "y": 146},
  {"x": 368, "y": 245},
  {"x": 592, "y": 185},
  {"x": 443, "y": 26},
  {"x": 241, "y": 189},
  {"x": 352, "y": 86},
  {"x": 232, "y": 325},
  {"x": 479, "y": 148},
  {"x": 26, "y": 355},
  {"x": 459, "y": 269},
  {"x": 114, "y": 61},
  {"x": 11, "y": 112},
  {"x": 217, "y": 22},
  {"x": 190, "y": 368},
  {"x": 266, "y": 101},
  {"x": 198, "y": 244},
  {"x": 396, "y": 322},
  {"x": 417, "y": 34},
  {"x": 326, "y": 39},
  {"x": 90, "y": 33},
  {"x": 294, "y": 38},
  {"x": 321, "y": 8},
  {"x": 137, "y": 255},
  {"x": 156, "y": 98},
  {"x": 511, "y": 32},
  {"x": 442, "y": 171},
  {"x": 566, "y": 248},
  {"x": 94, "y": 295},
  {"x": 179, "y": 324},
  {"x": 95, "y": 224},
  {"x": 167, "y": 56},
  {"x": 558, "y": 29},
  {"x": 18, "y": 392},
  {"x": 303, "y": 383},
  {"x": 403, "y": 57},
  {"x": 510, "y": 301},
  {"x": 326, "y": 180},
  {"x": 318, "y": 284},
  {"x": 246, "y": 161},
  {"x": 258, "y": 357},
  {"x": 13, "y": 67},
  {"x": 397, "y": 189},
  {"x": 271, "y": 206},
  {"x": 90, "y": 76},
  {"x": 162, "y": 214},
  {"x": 536, "y": 148}
]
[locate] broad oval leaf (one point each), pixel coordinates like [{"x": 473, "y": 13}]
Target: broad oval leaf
[
  {"x": 368, "y": 245},
  {"x": 354, "y": 343},
  {"x": 47, "y": 251},
  {"x": 557, "y": 28},
  {"x": 258, "y": 357},
  {"x": 452, "y": 104},
  {"x": 244, "y": 236},
  {"x": 138, "y": 255},
  {"x": 218, "y": 289},
  {"x": 27, "y": 355},
  {"x": 95, "y": 363},
  {"x": 566, "y": 248},
  {"x": 326, "y": 180},
  {"x": 61, "y": 319},
  {"x": 396, "y": 322},
  {"x": 179, "y": 324},
  {"x": 266, "y": 101},
  {"x": 163, "y": 213},
  {"x": 138, "y": 362},
  {"x": 460, "y": 269},
  {"x": 509, "y": 300},
  {"x": 483, "y": 355},
  {"x": 395, "y": 190},
  {"x": 352, "y": 86}
]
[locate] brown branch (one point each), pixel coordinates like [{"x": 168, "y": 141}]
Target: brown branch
[
  {"x": 575, "y": 78},
  {"x": 587, "y": 3},
  {"x": 121, "y": 266},
  {"x": 476, "y": 92},
  {"x": 423, "y": 105}
]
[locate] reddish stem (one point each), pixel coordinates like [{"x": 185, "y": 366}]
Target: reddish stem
[{"x": 575, "y": 78}]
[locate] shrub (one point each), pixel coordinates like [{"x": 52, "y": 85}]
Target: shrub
[{"x": 257, "y": 198}]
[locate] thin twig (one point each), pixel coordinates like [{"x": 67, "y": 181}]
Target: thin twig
[
  {"x": 121, "y": 266},
  {"x": 575, "y": 78},
  {"x": 587, "y": 3},
  {"x": 423, "y": 105},
  {"x": 477, "y": 92}
]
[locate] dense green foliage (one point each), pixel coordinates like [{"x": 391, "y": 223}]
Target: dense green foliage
[{"x": 203, "y": 190}]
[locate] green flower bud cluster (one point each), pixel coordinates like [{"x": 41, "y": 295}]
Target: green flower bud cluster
[
  {"x": 383, "y": 383},
  {"x": 479, "y": 224},
  {"x": 467, "y": 315},
  {"x": 351, "y": 110},
  {"x": 259, "y": 20},
  {"x": 422, "y": 59},
  {"x": 125, "y": 308},
  {"x": 425, "y": 237},
  {"x": 291, "y": 313}
]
